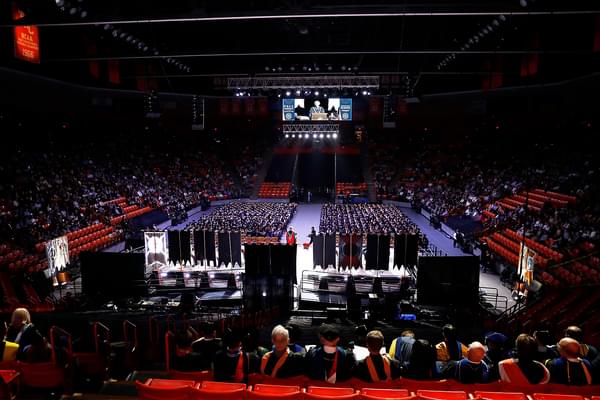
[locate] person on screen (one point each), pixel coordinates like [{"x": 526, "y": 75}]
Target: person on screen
[
  {"x": 333, "y": 113},
  {"x": 316, "y": 109}
]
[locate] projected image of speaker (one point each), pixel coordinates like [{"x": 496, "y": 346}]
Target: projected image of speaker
[{"x": 448, "y": 281}]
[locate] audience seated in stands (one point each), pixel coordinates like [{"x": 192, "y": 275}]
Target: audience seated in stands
[
  {"x": 207, "y": 346},
  {"x": 232, "y": 364},
  {"x": 449, "y": 351},
  {"x": 33, "y": 346},
  {"x": 328, "y": 362},
  {"x": 254, "y": 219},
  {"x": 377, "y": 367},
  {"x": 281, "y": 362},
  {"x": 401, "y": 347},
  {"x": 569, "y": 369},
  {"x": 472, "y": 368},
  {"x": 495, "y": 352},
  {"x": 524, "y": 369}
]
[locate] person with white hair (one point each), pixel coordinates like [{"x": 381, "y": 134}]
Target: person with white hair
[
  {"x": 472, "y": 369},
  {"x": 281, "y": 362}
]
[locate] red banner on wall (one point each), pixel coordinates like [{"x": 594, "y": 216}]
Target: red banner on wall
[{"x": 27, "y": 43}]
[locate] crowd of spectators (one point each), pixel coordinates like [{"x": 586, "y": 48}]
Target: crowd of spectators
[
  {"x": 468, "y": 179},
  {"x": 254, "y": 219},
  {"x": 527, "y": 360},
  {"x": 366, "y": 219},
  {"x": 47, "y": 193}
]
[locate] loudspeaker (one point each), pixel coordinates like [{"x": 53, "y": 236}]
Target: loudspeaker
[{"x": 448, "y": 281}]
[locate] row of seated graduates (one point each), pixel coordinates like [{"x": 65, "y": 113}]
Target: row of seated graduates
[{"x": 422, "y": 361}]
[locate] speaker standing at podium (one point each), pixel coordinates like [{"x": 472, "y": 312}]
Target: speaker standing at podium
[{"x": 316, "y": 109}]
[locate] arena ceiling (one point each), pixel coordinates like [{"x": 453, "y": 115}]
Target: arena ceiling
[{"x": 415, "y": 47}]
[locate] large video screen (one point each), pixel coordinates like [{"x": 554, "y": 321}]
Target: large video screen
[{"x": 317, "y": 109}]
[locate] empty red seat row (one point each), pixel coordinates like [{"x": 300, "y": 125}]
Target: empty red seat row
[
  {"x": 130, "y": 208},
  {"x": 512, "y": 257},
  {"x": 538, "y": 247},
  {"x": 88, "y": 238},
  {"x": 84, "y": 231},
  {"x": 555, "y": 195},
  {"x": 529, "y": 200},
  {"x": 118, "y": 200}
]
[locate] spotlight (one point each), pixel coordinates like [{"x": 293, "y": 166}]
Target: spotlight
[
  {"x": 293, "y": 135},
  {"x": 328, "y": 136},
  {"x": 523, "y": 3},
  {"x": 287, "y": 135},
  {"x": 288, "y": 93},
  {"x": 297, "y": 92},
  {"x": 163, "y": 274},
  {"x": 306, "y": 135},
  {"x": 314, "y": 135},
  {"x": 502, "y": 17},
  {"x": 72, "y": 11},
  {"x": 304, "y": 68},
  {"x": 145, "y": 48},
  {"x": 292, "y": 68},
  {"x": 324, "y": 94},
  {"x": 60, "y": 3},
  {"x": 279, "y": 69},
  {"x": 329, "y": 68},
  {"x": 495, "y": 22},
  {"x": 334, "y": 136},
  {"x": 115, "y": 33},
  {"x": 186, "y": 275},
  {"x": 364, "y": 92},
  {"x": 155, "y": 52},
  {"x": 129, "y": 39},
  {"x": 321, "y": 136},
  {"x": 264, "y": 294},
  {"x": 368, "y": 93},
  {"x": 267, "y": 69},
  {"x": 83, "y": 14},
  {"x": 107, "y": 27},
  {"x": 343, "y": 67},
  {"x": 278, "y": 94},
  {"x": 316, "y": 92}
]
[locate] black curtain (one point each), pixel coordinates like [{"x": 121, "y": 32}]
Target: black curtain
[
  {"x": 204, "y": 246},
  {"x": 230, "y": 248},
  {"x": 257, "y": 259},
  {"x": 378, "y": 252},
  {"x": 175, "y": 246},
  {"x": 412, "y": 250},
  {"x": 324, "y": 250},
  {"x": 350, "y": 251}
]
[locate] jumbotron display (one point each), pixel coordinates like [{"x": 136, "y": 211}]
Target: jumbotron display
[{"x": 318, "y": 109}]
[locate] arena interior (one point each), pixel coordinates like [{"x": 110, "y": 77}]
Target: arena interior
[{"x": 320, "y": 200}]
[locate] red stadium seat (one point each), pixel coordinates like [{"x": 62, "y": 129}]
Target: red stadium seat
[
  {"x": 330, "y": 393},
  {"x": 147, "y": 392},
  {"x": 499, "y": 396},
  {"x": 441, "y": 395},
  {"x": 272, "y": 392},
  {"x": 546, "y": 396},
  {"x": 169, "y": 382},
  {"x": 384, "y": 394},
  {"x": 209, "y": 390}
]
